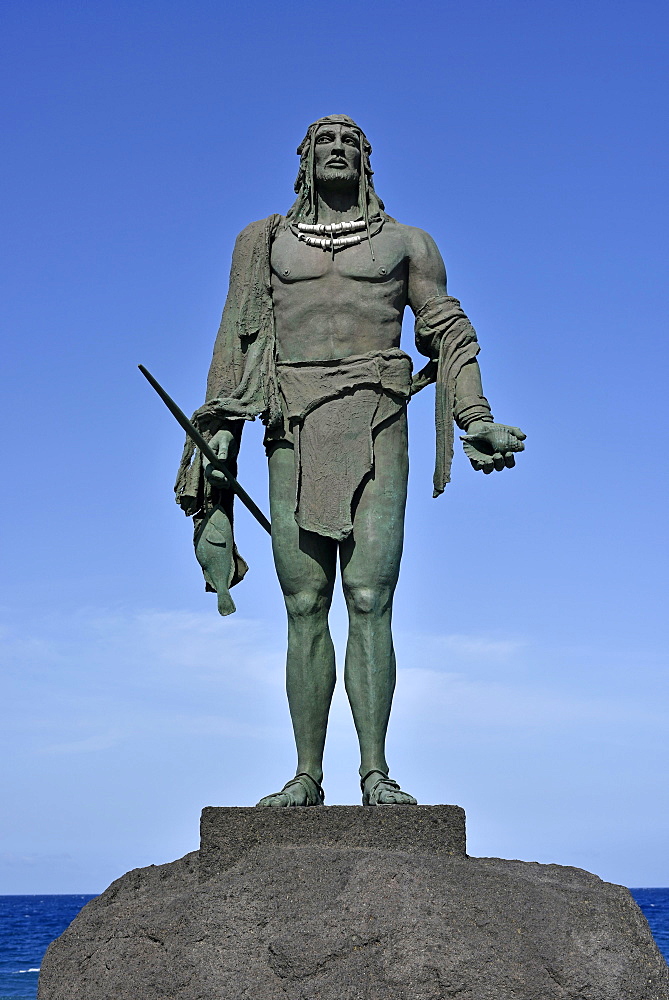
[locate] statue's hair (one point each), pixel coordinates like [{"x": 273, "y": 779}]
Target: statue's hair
[{"x": 305, "y": 206}]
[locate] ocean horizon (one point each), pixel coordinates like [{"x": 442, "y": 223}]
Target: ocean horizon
[{"x": 28, "y": 925}]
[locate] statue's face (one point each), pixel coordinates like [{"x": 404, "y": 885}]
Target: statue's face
[{"x": 337, "y": 156}]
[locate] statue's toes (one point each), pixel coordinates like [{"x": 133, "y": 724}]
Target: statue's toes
[
  {"x": 390, "y": 797},
  {"x": 292, "y": 794},
  {"x": 278, "y": 799},
  {"x": 396, "y": 798}
]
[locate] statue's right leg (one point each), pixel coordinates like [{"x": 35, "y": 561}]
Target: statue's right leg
[{"x": 306, "y": 567}]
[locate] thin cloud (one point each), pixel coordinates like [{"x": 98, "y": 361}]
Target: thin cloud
[
  {"x": 467, "y": 646},
  {"x": 433, "y": 695}
]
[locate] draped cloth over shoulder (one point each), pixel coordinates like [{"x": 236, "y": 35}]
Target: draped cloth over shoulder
[
  {"x": 445, "y": 335},
  {"x": 241, "y": 386}
]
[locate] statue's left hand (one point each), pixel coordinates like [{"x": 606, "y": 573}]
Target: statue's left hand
[{"x": 490, "y": 446}]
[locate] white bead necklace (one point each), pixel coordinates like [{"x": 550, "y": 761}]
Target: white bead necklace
[{"x": 329, "y": 237}]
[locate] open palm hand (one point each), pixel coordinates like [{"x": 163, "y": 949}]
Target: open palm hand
[{"x": 490, "y": 446}]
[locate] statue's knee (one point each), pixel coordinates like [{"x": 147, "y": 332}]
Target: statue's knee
[
  {"x": 368, "y": 600},
  {"x": 306, "y": 604}
]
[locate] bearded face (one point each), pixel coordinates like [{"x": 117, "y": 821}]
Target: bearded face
[{"x": 337, "y": 157}]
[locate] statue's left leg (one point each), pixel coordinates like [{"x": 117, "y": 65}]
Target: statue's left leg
[{"x": 370, "y": 562}]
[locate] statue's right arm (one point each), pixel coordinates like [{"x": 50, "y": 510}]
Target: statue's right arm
[
  {"x": 226, "y": 367},
  {"x": 222, "y": 377}
]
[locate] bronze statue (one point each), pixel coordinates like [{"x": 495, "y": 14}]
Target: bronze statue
[{"x": 309, "y": 341}]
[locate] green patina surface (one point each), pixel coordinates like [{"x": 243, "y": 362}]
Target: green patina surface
[{"x": 310, "y": 342}]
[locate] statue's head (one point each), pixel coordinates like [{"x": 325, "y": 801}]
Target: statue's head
[
  {"x": 338, "y": 153},
  {"x": 334, "y": 153}
]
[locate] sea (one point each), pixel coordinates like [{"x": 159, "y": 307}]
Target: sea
[{"x": 28, "y": 924}]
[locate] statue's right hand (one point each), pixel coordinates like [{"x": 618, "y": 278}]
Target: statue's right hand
[{"x": 224, "y": 446}]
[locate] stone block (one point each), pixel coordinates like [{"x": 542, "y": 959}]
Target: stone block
[{"x": 226, "y": 834}]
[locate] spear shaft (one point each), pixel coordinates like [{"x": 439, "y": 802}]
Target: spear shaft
[{"x": 198, "y": 440}]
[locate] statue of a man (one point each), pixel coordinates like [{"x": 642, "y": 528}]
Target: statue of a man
[{"x": 309, "y": 341}]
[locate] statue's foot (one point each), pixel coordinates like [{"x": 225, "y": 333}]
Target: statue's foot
[
  {"x": 380, "y": 790},
  {"x": 302, "y": 790}
]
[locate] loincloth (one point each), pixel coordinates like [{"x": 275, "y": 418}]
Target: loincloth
[{"x": 331, "y": 411}]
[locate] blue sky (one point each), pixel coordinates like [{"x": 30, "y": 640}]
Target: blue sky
[{"x": 530, "y": 141}]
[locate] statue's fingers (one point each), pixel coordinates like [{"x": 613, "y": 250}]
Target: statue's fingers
[
  {"x": 519, "y": 434},
  {"x": 509, "y": 460},
  {"x": 498, "y": 461},
  {"x": 485, "y": 464},
  {"x": 215, "y": 477}
]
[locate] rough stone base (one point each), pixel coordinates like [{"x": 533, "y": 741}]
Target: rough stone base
[
  {"x": 226, "y": 834},
  {"x": 340, "y": 918}
]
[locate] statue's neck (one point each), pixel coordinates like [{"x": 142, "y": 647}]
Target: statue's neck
[{"x": 337, "y": 206}]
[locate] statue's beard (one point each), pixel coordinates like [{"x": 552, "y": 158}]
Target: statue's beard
[{"x": 337, "y": 179}]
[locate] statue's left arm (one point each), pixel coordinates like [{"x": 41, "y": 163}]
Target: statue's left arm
[{"x": 445, "y": 335}]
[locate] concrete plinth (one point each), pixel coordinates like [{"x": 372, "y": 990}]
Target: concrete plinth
[{"x": 226, "y": 834}]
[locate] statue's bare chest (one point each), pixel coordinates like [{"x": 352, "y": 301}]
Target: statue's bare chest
[{"x": 292, "y": 260}]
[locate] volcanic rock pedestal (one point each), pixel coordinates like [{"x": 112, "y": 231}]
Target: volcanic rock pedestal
[{"x": 353, "y": 903}]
